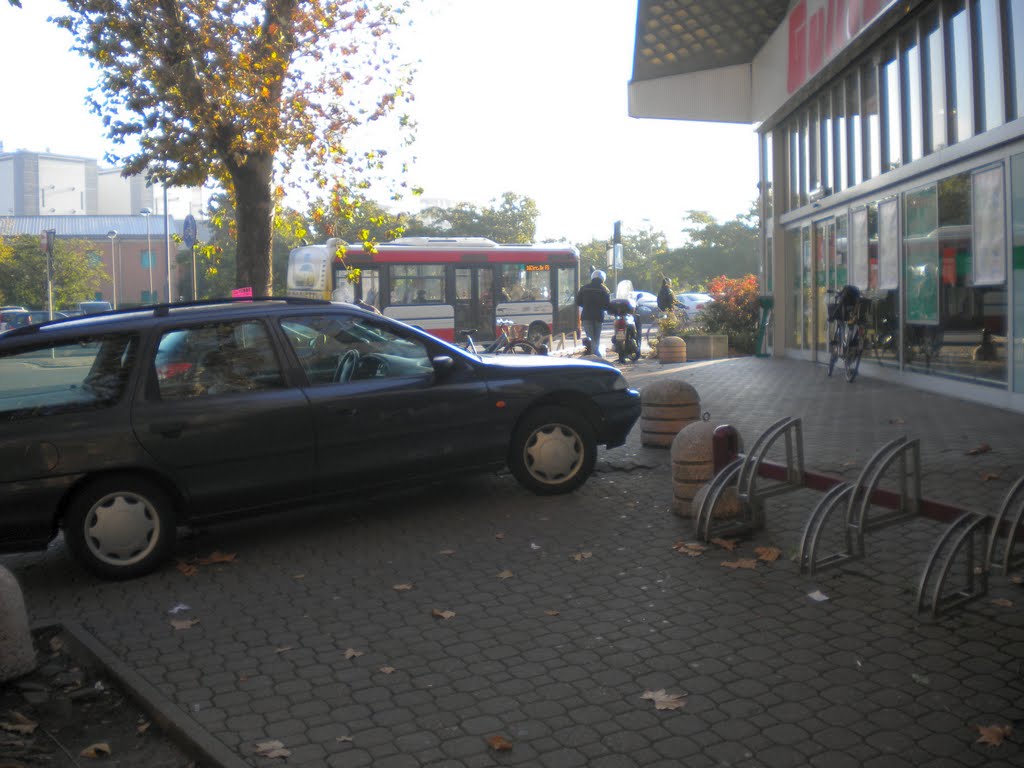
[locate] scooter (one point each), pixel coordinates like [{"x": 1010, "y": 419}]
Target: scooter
[{"x": 625, "y": 337}]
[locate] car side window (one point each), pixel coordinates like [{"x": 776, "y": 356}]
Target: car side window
[
  {"x": 340, "y": 348},
  {"x": 216, "y": 359},
  {"x": 82, "y": 374}
]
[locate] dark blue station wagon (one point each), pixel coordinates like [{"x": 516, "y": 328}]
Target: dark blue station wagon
[{"x": 121, "y": 426}]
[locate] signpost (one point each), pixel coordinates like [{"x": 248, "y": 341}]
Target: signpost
[
  {"x": 188, "y": 234},
  {"x": 46, "y": 238}
]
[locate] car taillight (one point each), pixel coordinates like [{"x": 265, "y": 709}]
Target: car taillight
[{"x": 173, "y": 370}]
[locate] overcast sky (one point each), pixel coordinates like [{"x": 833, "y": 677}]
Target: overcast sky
[{"x": 526, "y": 97}]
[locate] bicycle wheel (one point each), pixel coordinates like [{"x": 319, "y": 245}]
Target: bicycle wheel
[
  {"x": 851, "y": 358},
  {"x": 833, "y": 348},
  {"x": 520, "y": 348}
]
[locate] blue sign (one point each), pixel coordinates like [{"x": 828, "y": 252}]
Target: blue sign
[{"x": 188, "y": 232}]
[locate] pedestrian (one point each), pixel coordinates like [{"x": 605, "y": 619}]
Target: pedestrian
[
  {"x": 666, "y": 299},
  {"x": 593, "y": 300}
]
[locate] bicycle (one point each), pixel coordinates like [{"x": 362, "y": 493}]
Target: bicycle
[
  {"x": 846, "y": 330},
  {"x": 510, "y": 341}
]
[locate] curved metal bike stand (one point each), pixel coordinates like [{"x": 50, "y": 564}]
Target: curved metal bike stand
[
  {"x": 898, "y": 450},
  {"x": 790, "y": 428},
  {"x": 743, "y": 471},
  {"x": 1011, "y": 509},
  {"x": 837, "y": 497},
  {"x": 933, "y": 595},
  {"x": 702, "y": 526}
]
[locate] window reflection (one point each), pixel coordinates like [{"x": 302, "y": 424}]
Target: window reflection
[
  {"x": 989, "y": 62},
  {"x": 960, "y": 90}
]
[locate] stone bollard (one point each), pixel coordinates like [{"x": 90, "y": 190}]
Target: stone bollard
[
  {"x": 17, "y": 653},
  {"x": 671, "y": 349},
  {"x": 692, "y": 465},
  {"x": 665, "y": 408}
]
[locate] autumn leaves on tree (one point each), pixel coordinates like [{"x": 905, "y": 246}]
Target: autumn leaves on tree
[{"x": 260, "y": 97}]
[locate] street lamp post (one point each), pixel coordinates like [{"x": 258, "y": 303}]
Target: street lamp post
[
  {"x": 149, "y": 252},
  {"x": 112, "y": 234}
]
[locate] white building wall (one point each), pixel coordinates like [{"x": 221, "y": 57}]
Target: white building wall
[
  {"x": 62, "y": 186},
  {"x": 115, "y": 193},
  {"x": 8, "y": 206}
]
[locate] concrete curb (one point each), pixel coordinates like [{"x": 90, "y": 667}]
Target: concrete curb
[{"x": 195, "y": 740}]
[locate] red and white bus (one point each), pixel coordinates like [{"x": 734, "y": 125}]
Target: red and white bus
[{"x": 449, "y": 285}]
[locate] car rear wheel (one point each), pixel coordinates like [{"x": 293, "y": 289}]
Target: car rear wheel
[
  {"x": 120, "y": 527},
  {"x": 553, "y": 450}
]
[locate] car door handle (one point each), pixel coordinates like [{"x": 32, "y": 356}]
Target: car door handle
[{"x": 167, "y": 428}]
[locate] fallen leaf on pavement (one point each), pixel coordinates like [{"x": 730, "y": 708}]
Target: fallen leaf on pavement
[
  {"x": 986, "y": 476},
  {"x": 499, "y": 743},
  {"x": 663, "y": 700},
  {"x": 283, "y": 649},
  {"x": 20, "y": 725},
  {"x": 745, "y": 563},
  {"x": 729, "y": 544},
  {"x": 768, "y": 554},
  {"x": 186, "y": 569},
  {"x": 439, "y": 614},
  {"x": 897, "y": 421},
  {"x": 551, "y": 612},
  {"x": 141, "y": 728},
  {"x": 691, "y": 548},
  {"x": 580, "y": 556},
  {"x": 272, "y": 749},
  {"x": 993, "y": 735},
  {"x": 352, "y": 653},
  {"x": 982, "y": 448},
  {"x": 387, "y": 670},
  {"x": 506, "y": 574},
  {"x": 1017, "y": 579},
  {"x": 217, "y": 557},
  {"x": 446, "y": 552},
  {"x": 402, "y": 587},
  {"x": 56, "y": 644},
  {"x": 184, "y": 623},
  {"x": 499, "y": 536},
  {"x": 1002, "y": 602},
  {"x": 343, "y": 738},
  {"x": 93, "y": 751}
]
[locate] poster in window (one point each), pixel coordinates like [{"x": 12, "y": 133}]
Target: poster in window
[
  {"x": 859, "y": 249},
  {"x": 989, "y": 219},
  {"x": 921, "y": 245},
  {"x": 888, "y": 246}
]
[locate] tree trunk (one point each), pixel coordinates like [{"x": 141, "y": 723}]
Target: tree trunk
[{"x": 254, "y": 217}]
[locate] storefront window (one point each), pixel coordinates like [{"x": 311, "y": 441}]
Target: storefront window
[
  {"x": 883, "y": 307},
  {"x": 912, "y": 98},
  {"x": 960, "y": 90},
  {"x": 1016, "y": 36},
  {"x": 841, "y": 179},
  {"x": 794, "y": 165},
  {"x": 855, "y": 130},
  {"x": 935, "y": 88},
  {"x": 893, "y": 120},
  {"x": 989, "y": 61},
  {"x": 872, "y": 122},
  {"x": 842, "y": 269},
  {"x": 794, "y": 312},
  {"x": 807, "y": 288},
  {"x": 964, "y": 334},
  {"x": 1017, "y": 191},
  {"x": 825, "y": 143}
]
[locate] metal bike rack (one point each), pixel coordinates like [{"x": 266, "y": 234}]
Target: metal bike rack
[
  {"x": 857, "y": 498},
  {"x": 1008, "y": 522},
  {"x": 934, "y": 595},
  {"x": 743, "y": 472}
]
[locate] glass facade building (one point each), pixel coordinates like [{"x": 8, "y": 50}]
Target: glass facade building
[{"x": 900, "y": 170}]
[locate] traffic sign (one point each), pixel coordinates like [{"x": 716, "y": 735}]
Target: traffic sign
[{"x": 188, "y": 232}]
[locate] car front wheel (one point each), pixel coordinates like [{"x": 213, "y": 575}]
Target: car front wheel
[
  {"x": 120, "y": 527},
  {"x": 553, "y": 451}
]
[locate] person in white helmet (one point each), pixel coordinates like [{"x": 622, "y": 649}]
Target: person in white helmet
[{"x": 593, "y": 300}]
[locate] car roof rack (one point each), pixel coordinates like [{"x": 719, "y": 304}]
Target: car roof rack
[{"x": 162, "y": 310}]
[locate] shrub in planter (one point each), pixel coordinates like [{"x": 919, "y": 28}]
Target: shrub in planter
[{"x": 735, "y": 311}]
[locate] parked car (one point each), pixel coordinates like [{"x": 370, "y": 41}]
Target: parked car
[
  {"x": 157, "y": 417},
  {"x": 15, "y": 318},
  {"x": 91, "y": 307},
  {"x": 693, "y": 303}
]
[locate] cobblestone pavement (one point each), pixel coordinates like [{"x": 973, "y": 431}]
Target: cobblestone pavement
[{"x": 566, "y": 610}]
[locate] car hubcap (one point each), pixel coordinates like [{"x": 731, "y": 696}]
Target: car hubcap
[
  {"x": 121, "y": 529},
  {"x": 554, "y": 453}
]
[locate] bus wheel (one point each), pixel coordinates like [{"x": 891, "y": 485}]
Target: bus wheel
[{"x": 538, "y": 333}]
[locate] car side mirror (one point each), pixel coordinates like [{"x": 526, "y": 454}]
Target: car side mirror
[{"x": 442, "y": 363}]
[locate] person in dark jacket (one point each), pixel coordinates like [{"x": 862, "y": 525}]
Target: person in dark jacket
[
  {"x": 666, "y": 299},
  {"x": 593, "y": 300}
]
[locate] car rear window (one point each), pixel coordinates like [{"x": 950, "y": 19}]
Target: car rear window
[{"x": 86, "y": 373}]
